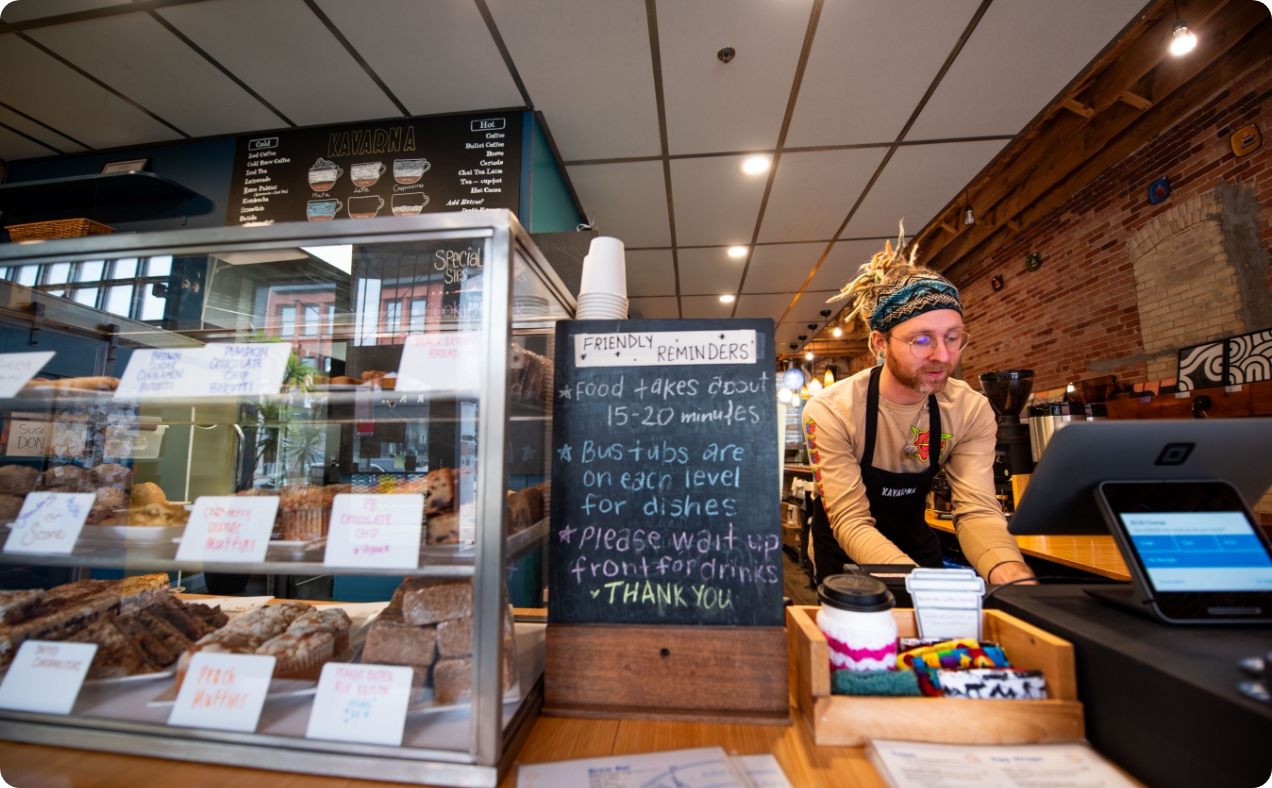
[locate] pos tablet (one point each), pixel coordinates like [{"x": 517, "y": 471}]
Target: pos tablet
[{"x": 1196, "y": 553}]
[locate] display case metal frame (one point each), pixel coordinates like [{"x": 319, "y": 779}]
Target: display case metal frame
[{"x": 491, "y": 744}]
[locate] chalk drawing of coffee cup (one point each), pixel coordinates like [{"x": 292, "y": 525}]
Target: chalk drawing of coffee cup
[
  {"x": 406, "y": 171},
  {"x": 366, "y": 174},
  {"x": 409, "y": 204},
  {"x": 365, "y": 207},
  {"x": 323, "y": 175},
  {"x": 323, "y": 210}
]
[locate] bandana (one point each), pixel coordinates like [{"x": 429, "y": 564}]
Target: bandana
[{"x": 911, "y": 297}]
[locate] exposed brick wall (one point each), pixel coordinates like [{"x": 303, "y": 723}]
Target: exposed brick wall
[{"x": 1079, "y": 316}]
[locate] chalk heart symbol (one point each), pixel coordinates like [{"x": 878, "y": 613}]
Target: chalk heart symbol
[{"x": 596, "y": 593}]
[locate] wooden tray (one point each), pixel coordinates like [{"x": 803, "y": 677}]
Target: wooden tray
[{"x": 849, "y": 721}]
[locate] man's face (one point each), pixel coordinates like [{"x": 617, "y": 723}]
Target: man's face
[{"x": 939, "y": 330}]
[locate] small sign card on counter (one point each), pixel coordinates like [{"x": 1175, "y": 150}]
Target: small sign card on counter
[
  {"x": 49, "y": 523},
  {"x": 375, "y": 531},
  {"x": 46, "y": 677},
  {"x": 228, "y": 528},
  {"x": 223, "y": 691},
  {"x": 217, "y": 369},
  {"x": 947, "y": 602},
  {"x": 361, "y": 703},
  {"x": 440, "y": 362},
  {"x": 17, "y": 369}
]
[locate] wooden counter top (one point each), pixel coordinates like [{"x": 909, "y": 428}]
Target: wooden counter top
[{"x": 1096, "y": 553}]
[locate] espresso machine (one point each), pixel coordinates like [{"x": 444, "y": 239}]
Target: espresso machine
[{"x": 1007, "y": 391}]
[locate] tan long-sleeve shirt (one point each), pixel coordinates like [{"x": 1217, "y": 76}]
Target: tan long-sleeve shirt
[{"x": 837, "y": 444}]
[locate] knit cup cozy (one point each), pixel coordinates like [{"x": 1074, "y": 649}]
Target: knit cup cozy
[{"x": 859, "y": 641}]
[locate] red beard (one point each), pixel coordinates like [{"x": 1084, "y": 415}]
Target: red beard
[{"x": 920, "y": 381}]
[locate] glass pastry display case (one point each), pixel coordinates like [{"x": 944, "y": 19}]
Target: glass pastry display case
[{"x": 324, "y": 443}]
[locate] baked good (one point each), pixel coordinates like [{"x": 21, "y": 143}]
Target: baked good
[
  {"x": 141, "y": 591},
  {"x": 342, "y": 380},
  {"x": 332, "y": 619},
  {"x": 16, "y": 606},
  {"x": 455, "y": 637},
  {"x": 304, "y": 513},
  {"x": 10, "y": 507},
  {"x": 111, "y": 474},
  {"x": 300, "y": 652},
  {"x": 156, "y": 515},
  {"x": 452, "y": 680},
  {"x": 67, "y": 478},
  {"x": 117, "y": 654},
  {"x": 18, "y": 479},
  {"x": 160, "y": 647},
  {"x": 108, "y": 500},
  {"x": 394, "y": 642},
  {"x": 176, "y": 615},
  {"x": 372, "y": 374},
  {"x": 430, "y": 601},
  {"x": 75, "y": 384},
  {"x": 534, "y": 499},
  {"x": 440, "y": 489},
  {"x": 147, "y": 493},
  {"x": 442, "y": 528},
  {"x": 519, "y": 517},
  {"x": 212, "y": 617}
]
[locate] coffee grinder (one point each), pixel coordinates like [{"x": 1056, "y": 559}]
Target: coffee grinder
[{"x": 1007, "y": 392}]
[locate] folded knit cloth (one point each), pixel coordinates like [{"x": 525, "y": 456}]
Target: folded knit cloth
[
  {"x": 960, "y": 654},
  {"x": 889, "y": 683}
]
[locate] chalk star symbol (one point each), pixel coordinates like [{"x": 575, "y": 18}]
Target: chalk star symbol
[
  {"x": 564, "y": 453},
  {"x": 566, "y": 533},
  {"x": 565, "y": 392}
]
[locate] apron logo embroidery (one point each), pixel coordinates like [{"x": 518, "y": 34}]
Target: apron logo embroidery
[
  {"x": 922, "y": 442},
  {"x": 894, "y": 492}
]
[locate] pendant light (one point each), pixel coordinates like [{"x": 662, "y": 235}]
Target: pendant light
[
  {"x": 830, "y": 375},
  {"x": 969, "y": 218},
  {"x": 1183, "y": 40}
]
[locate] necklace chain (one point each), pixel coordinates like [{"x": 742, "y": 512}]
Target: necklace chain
[{"x": 909, "y": 451}]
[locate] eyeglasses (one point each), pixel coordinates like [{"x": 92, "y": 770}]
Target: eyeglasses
[{"x": 923, "y": 345}]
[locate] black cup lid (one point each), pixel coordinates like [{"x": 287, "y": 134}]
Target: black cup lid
[{"x": 856, "y": 593}]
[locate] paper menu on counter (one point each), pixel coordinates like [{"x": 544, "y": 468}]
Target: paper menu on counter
[
  {"x": 46, "y": 677},
  {"x": 696, "y": 768},
  {"x": 17, "y": 369},
  {"x": 914, "y": 765},
  {"x": 49, "y": 523}
]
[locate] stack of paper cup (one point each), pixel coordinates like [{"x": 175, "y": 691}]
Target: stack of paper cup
[{"x": 603, "y": 292}]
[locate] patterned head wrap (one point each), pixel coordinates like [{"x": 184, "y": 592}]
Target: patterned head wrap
[{"x": 891, "y": 289}]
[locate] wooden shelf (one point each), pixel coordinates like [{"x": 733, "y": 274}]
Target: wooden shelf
[{"x": 87, "y": 191}]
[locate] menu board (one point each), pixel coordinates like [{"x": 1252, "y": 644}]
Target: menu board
[
  {"x": 664, "y": 496},
  {"x": 389, "y": 168}
]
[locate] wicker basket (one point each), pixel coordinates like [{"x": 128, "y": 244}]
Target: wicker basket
[{"x": 62, "y": 228}]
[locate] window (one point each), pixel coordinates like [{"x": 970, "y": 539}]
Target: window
[
  {"x": 418, "y": 307},
  {"x": 57, "y": 274},
  {"x": 124, "y": 269},
  {"x": 152, "y": 307},
  {"x": 85, "y": 295},
  {"x": 287, "y": 316},
  {"x": 90, "y": 271},
  {"x": 313, "y": 314},
  {"x": 159, "y": 266},
  {"x": 119, "y": 300},
  {"x": 393, "y": 317},
  {"x": 26, "y": 275}
]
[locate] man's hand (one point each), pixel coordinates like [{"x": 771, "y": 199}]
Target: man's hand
[{"x": 1008, "y": 571}]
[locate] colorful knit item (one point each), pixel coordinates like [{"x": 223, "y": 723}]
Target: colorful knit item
[
  {"x": 886, "y": 683},
  {"x": 921, "y": 291},
  {"x": 928, "y": 662}
]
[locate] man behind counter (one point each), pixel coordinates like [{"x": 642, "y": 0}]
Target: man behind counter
[{"x": 870, "y": 436}]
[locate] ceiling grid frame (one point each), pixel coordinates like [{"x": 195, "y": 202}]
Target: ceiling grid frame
[{"x": 655, "y": 53}]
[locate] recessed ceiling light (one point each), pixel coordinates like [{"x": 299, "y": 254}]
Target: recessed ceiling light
[
  {"x": 756, "y": 165},
  {"x": 809, "y": 355},
  {"x": 737, "y": 251},
  {"x": 726, "y": 299}
]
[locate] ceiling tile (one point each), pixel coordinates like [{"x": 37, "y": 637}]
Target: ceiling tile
[
  {"x": 770, "y": 305},
  {"x": 26, "y": 10},
  {"x": 587, "y": 66},
  {"x": 650, "y": 273},
  {"x": 808, "y": 308},
  {"x": 135, "y": 55},
  {"x": 287, "y": 55},
  {"x": 785, "y": 335},
  {"x": 1020, "y": 56},
  {"x": 843, "y": 263},
  {"x": 716, "y": 106},
  {"x": 628, "y": 201},
  {"x": 781, "y": 268},
  {"x": 436, "y": 56},
  {"x": 865, "y": 92},
  {"x": 653, "y": 308},
  {"x": 704, "y": 306},
  {"x": 15, "y": 146},
  {"x": 918, "y": 181},
  {"x": 15, "y": 121},
  {"x": 708, "y": 271},
  {"x": 813, "y": 192},
  {"x": 716, "y": 203},
  {"x": 40, "y": 86}
]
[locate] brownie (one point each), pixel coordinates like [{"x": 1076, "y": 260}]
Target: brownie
[
  {"x": 395, "y": 643},
  {"x": 117, "y": 655},
  {"x": 212, "y": 617},
  {"x": 452, "y": 680},
  {"x": 455, "y": 637},
  {"x": 433, "y": 601},
  {"x": 152, "y": 645},
  {"x": 175, "y": 614}
]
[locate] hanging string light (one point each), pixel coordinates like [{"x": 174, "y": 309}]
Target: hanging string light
[{"x": 1183, "y": 40}]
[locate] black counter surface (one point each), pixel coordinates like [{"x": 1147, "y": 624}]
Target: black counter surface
[{"x": 1160, "y": 700}]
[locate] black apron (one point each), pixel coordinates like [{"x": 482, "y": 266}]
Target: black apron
[{"x": 898, "y": 501}]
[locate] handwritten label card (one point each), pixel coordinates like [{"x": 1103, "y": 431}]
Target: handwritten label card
[
  {"x": 218, "y": 369},
  {"x": 223, "y": 691},
  {"x": 665, "y": 348},
  {"x": 228, "y": 528},
  {"x": 17, "y": 369},
  {"x": 162, "y": 373},
  {"x": 375, "y": 530},
  {"x": 49, "y": 523},
  {"x": 46, "y": 677},
  {"x": 361, "y": 703},
  {"x": 440, "y": 362}
]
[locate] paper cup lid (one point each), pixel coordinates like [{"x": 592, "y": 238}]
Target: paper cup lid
[{"x": 856, "y": 593}]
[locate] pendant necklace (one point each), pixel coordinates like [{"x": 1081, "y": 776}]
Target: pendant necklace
[{"x": 909, "y": 451}]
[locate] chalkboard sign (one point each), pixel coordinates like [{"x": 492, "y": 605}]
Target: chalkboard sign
[
  {"x": 389, "y": 168},
  {"x": 664, "y": 481}
]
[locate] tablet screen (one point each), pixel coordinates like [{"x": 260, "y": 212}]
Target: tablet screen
[{"x": 1199, "y": 551}]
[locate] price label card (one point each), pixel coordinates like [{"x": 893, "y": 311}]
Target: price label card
[
  {"x": 440, "y": 362},
  {"x": 361, "y": 703},
  {"x": 245, "y": 369},
  {"x": 223, "y": 691},
  {"x": 162, "y": 373},
  {"x": 375, "y": 530},
  {"x": 49, "y": 523},
  {"x": 46, "y": 676},
  {"x": 17, "y": 369},
  {"x": 228, "y": 528}
]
